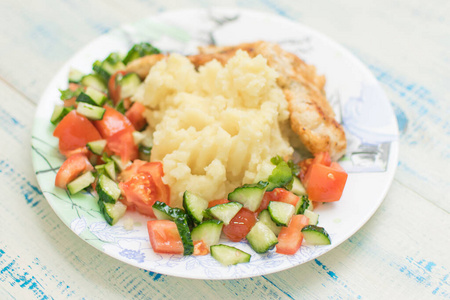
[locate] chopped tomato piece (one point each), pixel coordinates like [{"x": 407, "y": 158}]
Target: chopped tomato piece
[
  {"x": 322, "y": 158},
  {"x": 290, "y": 238},
  {"x": 217, "y": 202},
  {"x": 325, "y": 184},
  {"x": 136, "y": 116},
  {"x": 200, "y": 248},
  {"x": 75, "y": 131},
  {"x": 71, "y": 169},
  {"x": 72, "y": 101},
  {"x": 114, "y": 88},
  {"x": 304, "y": 165},
  {"x": 131, "y": 169},
  {"x": 122, "y": 144},
  {"x": 265, "y": 202},
  {"x": 156, "y": 170},
  {"x": 112, "y": 122},
  {"x": 164, "y": 237},
  {"x": 81, "y": 150},
  {"x": 240, "y": 225},
  {"x": 140, "y": 191}
]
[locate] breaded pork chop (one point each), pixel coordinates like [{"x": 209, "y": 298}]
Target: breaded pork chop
[{"x": 311, "y": 116}]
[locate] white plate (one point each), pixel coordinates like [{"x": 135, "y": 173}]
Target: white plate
[{"x": 351, "y": 88}]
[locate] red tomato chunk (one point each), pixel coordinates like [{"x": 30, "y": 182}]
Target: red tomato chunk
[
  {"x": 71, "y": 169},
  {"x": 164, "y": 237},
  {"x": 290, "y": 238},
  {"x": 75, "y": 131},
  {"x": 240, "y": 225},
  {"x": 112, "y": 122}
]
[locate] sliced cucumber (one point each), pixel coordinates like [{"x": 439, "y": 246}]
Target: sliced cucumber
[
  {"x": 312, "y": 216},
  {"x": 75, "y": 75},
  {"x": 128, "y": 84},
  {"x": 109, "y": 66},
  {"x": 81, "y": 182},
  {"x": 209, "y": 231},
  {"x": 145, "y": 152},
  {"x": 112, "y": 211},
  {"x": 224, "y": 212},
  {"x": 163, "y": 211},
  {"x": 95, "y": 81},
  {"x": 59, "y": 112},
  {"x": 120, "y": 107},
  {"x": 302, "y": 205},
  {"x": 138, "y": 137},
  {"x": 97, "y": 147},
  {"x": 297, "y": 187},
  {"x": 265, "y": 218},
  {"x": 185, "y": 234},
  {"x": 315, "y": 235},
  {"x": 280, "y": 212},
  {"x": 250, "y": 195},
  {"x": 91, "y": 112},
  {"x": 118, "y": 161},
  {"x": 261, "y": 238},
  {"x": 110, "y": 169},
  {"x": 92, "y": 96},
  {"x": 194, "y": 206},
  {"x": 108, "y": 190},
  {"x": 228, "y": 255}
]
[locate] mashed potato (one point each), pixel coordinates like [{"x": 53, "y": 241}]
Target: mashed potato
[{"x": 216, "y": 128}]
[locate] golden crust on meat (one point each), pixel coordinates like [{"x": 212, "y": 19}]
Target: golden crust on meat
[{"x": 311, "y": 116}]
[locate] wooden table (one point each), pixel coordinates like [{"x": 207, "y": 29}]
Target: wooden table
[{"x": 401, "y": 253}]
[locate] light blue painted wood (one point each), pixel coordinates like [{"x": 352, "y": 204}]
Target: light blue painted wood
[{"x": 402, "y": 252}]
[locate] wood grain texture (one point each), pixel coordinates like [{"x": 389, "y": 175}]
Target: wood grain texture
[{"x": 401, "y": 253}]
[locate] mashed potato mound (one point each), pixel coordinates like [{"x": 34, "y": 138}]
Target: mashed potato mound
[{"x": 217, "y": 127}]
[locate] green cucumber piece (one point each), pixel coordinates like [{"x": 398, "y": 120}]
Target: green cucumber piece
[
  {"x": 163, "y": 211},
  {"x": 108, "y": 190},
  {"x": 224, "y": 212},
  {"x": 113, "y": 211},
  {"x": 315, "y": 235},
  {"x": 91, "y": 112},
  {"x": 209, "y": 231},
  {"x": 228, "y": 255},
  {"x": 194, "y": 206},
  {"x": 92, "y": 96},
  {"x": 261, "y": 238},
  {"x": 297, "y": 187},
  {"x": 302, "y": 205},
  {"x": 81, "y": 182},
  {"x": 110, "y": 169},
  {"x": 75, "y": 75},
  {"x": 250, "y": 195},
  {"x": 185, "y": 234},
  {"x": 129, "y": 83},
  {"x": 280, "y": 212},
  {"x": 312, "y": 216},
  {"x": 264, "y": 217},
  {"x": 59, "y": 112},
  {"x": 109, "y": 66},
  {"x": 97, "y": 147},
  {"x": 95, "y": 81}
]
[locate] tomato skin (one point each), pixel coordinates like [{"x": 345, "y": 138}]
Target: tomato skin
[
  {"x": 122, "y": 143},
  {"x": 75, "y": 131},
  {"x": 136, "y": 116},
  {"x": 290, "y": 238},
  {"x": 144, "y": 186},
  {"x": 325, "y": 184},
  {"x": 164, "y": 237},
  {"x": 217, "y": 202},
  {"x": 131, "y": 170},
  {"x": 114, "y": 89},
  {"x": 112, "y": 122},
  {"x": 240, "y": 225},
  {"x": 71, "y": 168},
  {"x": 140, "y": 191}
]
